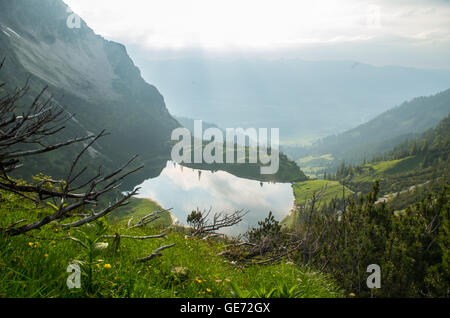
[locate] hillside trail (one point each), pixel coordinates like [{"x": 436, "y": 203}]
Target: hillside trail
[{"x": 390, "y": 196}]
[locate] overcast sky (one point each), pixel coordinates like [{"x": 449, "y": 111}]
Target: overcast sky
[{"x": 382, "y": 32}]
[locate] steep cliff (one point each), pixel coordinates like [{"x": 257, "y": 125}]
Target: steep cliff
[{"x": 88, "y": 76}]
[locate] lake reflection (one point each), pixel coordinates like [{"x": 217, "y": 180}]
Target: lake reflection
[{"x": 185, "y": 189}]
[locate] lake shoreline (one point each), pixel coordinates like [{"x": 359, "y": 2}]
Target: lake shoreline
[{"x": 188, "y": 189}]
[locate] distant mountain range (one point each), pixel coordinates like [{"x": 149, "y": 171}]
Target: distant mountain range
[
  {"x": 304, "y": 99},
  {"x": 88, "y": 76}
]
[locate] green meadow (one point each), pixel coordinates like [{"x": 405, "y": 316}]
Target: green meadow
[
  {"x": 303, "y": 192},
  {"x": 35, "y": 264}
]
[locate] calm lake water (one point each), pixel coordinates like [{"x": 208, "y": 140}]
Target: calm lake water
[{"x": 185, "y": 189}]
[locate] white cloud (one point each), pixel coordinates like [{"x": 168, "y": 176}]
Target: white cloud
[
  {"x": 254, "y": 23},
  {"x": 258, "y": 25}
]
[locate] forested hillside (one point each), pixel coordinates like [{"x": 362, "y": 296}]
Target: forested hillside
[
  {"x": 375, "y": 137},
  {"x": 408, "y": 171}
]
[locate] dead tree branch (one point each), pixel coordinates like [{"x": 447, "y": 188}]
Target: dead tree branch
[
  {"x": 23, "y": 135},
  {"x": 156, "y": 253},
  {"x": 162, "y": 235},
  {"x": 202, "y": 225}
]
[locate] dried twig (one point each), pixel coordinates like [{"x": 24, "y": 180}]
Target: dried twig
[{"x": 146, "y": 219}]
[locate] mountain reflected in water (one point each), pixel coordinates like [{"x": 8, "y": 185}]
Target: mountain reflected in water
[{"x": 185, "y": 189}]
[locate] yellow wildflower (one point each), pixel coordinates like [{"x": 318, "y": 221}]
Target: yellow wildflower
[
  {"x": 208, "y": 290},
  {"x": 45, "y": 255},
  {"x": 107, "y": 266},
  {"x": 30, "y": 244}
]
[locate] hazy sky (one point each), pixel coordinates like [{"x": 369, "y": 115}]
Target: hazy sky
[{"x": 402, "y": 32}]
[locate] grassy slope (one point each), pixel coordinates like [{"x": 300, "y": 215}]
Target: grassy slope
[
  {"x": 28, "y": 269},
  {"x": 304, "y": 190},
  {"x": 139, "y": 208},
  {"x": 373, "y": 171}
]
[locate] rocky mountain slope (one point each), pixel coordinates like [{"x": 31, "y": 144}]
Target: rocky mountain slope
[{"x": 88, "y": 76}]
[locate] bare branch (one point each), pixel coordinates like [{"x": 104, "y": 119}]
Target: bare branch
[
  {"x": 203, "y": 226},
  {"x": 98, "y": 215},
  {"x": 147, "y": 219},
  {"x": 162, "y": 235},
  {"x": 156, "y": 253}
]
